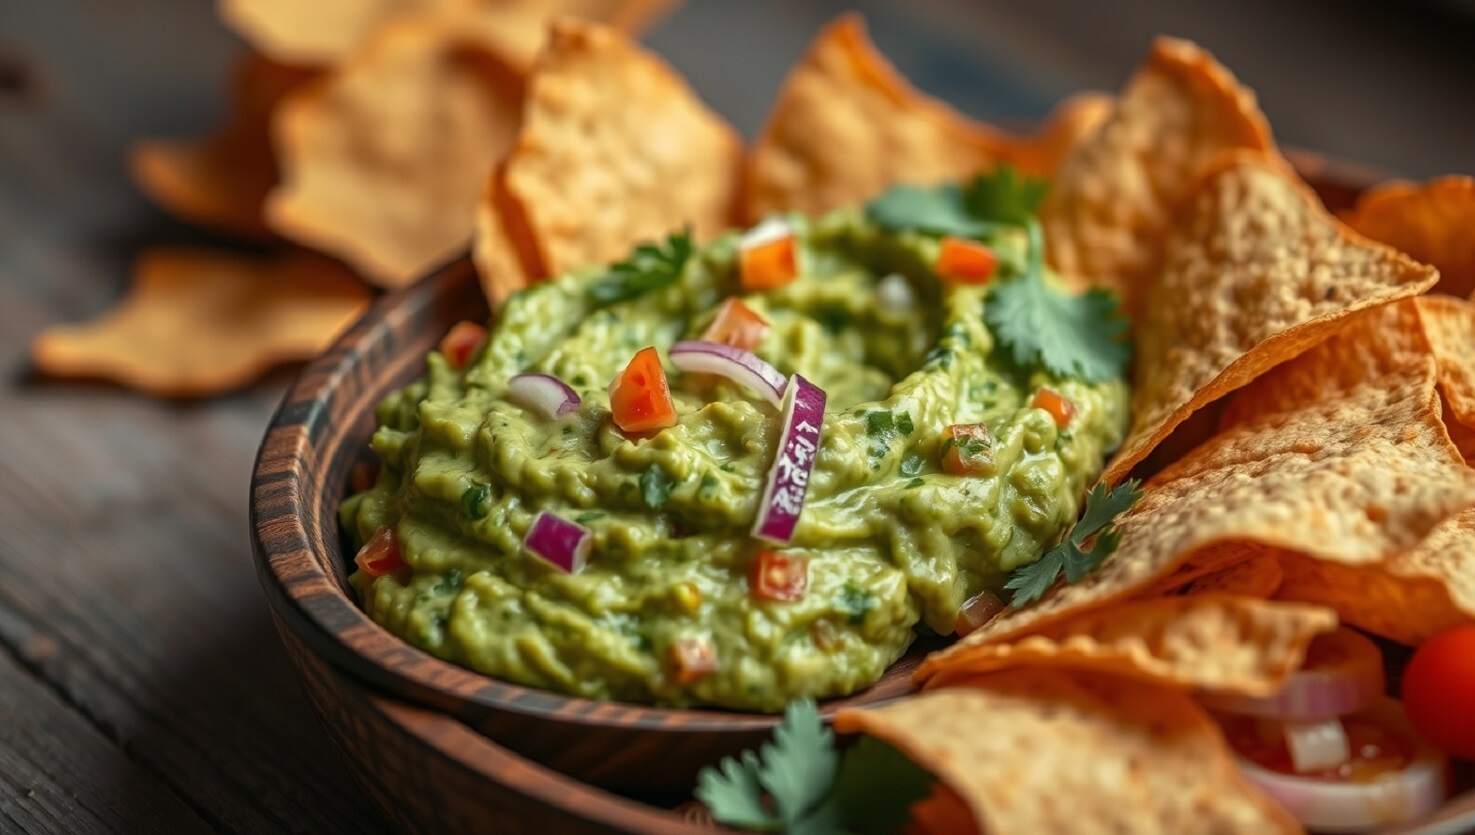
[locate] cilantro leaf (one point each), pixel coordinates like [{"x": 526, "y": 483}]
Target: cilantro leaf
[
  {"x": 938, "y": 210},
  {"x": 732, "y": 793},
  {"x": 1004, "y": 196},
  {"x": 1082, "y": 336},
  {"x": 879, "y": 423},
  {"x": 1103, "y": 506},
  {"x": 651, "y": 266},
  {"x": 655, "y": 487},
  {"x": 904, "y": 423},
  {"x": 799, "y": 765},
  {"x": 474, "y": 500}
]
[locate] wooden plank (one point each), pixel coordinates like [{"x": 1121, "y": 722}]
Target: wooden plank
[{"x": 59, "y": 775}]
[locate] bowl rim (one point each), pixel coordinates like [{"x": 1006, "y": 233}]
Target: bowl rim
[{"x": 289, "y": 546}]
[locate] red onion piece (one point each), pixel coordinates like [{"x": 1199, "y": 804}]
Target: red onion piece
[
  {"x": 564, "y": 544},
  {"x": 735, "y": 364},
  {"x": 976, "y": 611},
  {"x": 1343, "y": 674},
  {"x": 1316, "y": 746},
  {"x": 543, "y": 394},
  {"x": 788, "y": 478},
  {"x": 1388, "y": 800}
]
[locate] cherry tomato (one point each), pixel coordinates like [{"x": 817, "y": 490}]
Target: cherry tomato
[{"x": 1439, "y": 690}]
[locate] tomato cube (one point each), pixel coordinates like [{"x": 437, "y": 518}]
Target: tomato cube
[
  {"x": 640, "y": 397},
  {"x": 380, "y": 555},
  {"x": 962, "y": 261},
  {"x": 779, "y": 576},
  {"x": 768, "y": 256},
  {"x": 463, "y": 340},
  {"x": 737, "y": 325},
  {"x": 967, "y": 449},
  {"x": 1056, "y": 404},
  {"x": 692, "y": 659}
]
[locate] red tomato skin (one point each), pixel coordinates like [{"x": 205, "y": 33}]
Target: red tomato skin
[
  {"x": 640, "y": 400},
  {"x": 463, "y": 340},
  {"x": 962, "y": 261},
  {"x": 1060, "y": 408},
  {"x": 779, "y": 577},
  {"x": 769, "y": 266},
  {"x": 1439, "y": 691},
  {"x": 737, "y": 325}
]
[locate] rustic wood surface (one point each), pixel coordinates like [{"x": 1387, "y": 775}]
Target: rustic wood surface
[{"x": 141, "y": 685}]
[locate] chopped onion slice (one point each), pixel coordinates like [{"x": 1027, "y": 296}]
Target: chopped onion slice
[
  {"x": 1343, "y": 674},
  {"x": 741, "y": 367},
  {"x": 1316, "y": 745},
  {"x": 976, "y": 611},
  {"x": 896, "y": 293},
  {"x": 564, "y": 544},
  {"x": 1390, "y": 799},
  {"x": 788, "y": 478},
  {"x": 544, "y": 394}
]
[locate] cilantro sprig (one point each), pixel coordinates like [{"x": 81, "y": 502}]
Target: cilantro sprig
[
  {"x": 978, "y": 208},
  {"x": 800, "y": 784},
  {"x": 1103, "y": 506},
  {"x": 651, "y": 266}
]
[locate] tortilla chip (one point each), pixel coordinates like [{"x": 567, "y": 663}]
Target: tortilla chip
[
  {"x": 1339, "y": 454},
  {"x": 199, "y": 322},
  {"x": 1432, "y": 221},
  {"x": 384, "y": 160},
  {"x": 221, "y": 180},
  {"x": 847, "y": 125},
  {"x": 614, "y": 149},
  {"x": 500, "y": 264},
  {"x": 1044, "y": 751},
  {"x": 1257, "y": 576},
  {"x": 1112, "y": 203},
  {"x": 1255, "y": 273},
  {"x": 317, "y": 32},
  {"x": 1450, "y": 325}
]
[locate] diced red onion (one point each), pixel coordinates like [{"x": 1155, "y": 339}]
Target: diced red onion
[
  {"x": 976, "y": 611},
  {"x": 735, "y": 364},
  {"x": 803, "y": 416},
  {"x": 770, "y": 230},
  {"x": 1347, "y": 678},
  {"x": 543, "y": 394},
  {"x": 894, "y": 292},
  {"x": 1315, "y": 746},
  {"x": 1388, "y": 800},
  {"x": 564, "y": 544}
]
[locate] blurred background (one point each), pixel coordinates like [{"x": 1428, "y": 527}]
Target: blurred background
[{"x": 141, "y": 688}]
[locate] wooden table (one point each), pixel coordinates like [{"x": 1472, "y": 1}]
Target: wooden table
[{"x": 141, "y": 686}]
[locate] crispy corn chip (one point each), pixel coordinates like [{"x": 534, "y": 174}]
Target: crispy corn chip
[
  {"x": 221, "y": 180},
  {"x": 1044, "y": 751},
  {"x": 383, "y": 161},
  {"x": 847, "y": 125},
  {"x": 1113, "y": 200},
  {"x": 1432, "y": 221},
  {"x": 1255, "y": 273},
  {"x": 1450, "y": 324},
  {"x": 614, "y": 149},
  {"x": 1338, "y": 454},
  {"x": 1217, "y": 643},
  {"x": 1258, "y": 576},
  {"x": 316, "y": 32},
  {"x": 502, "y": 265},
  {"x": 199, "y": 322}
]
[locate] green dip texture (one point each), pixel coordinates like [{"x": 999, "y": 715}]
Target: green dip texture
[{"x": 894, "y": 543}]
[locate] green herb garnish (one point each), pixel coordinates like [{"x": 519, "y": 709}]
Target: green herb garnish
[
  {"x": 879, "y": 423},
  {"x": 813, "y": 788},
  {"x": 655, "y": 487},
  {"x": 1004, "y": 196},
  {"x": 588, "y": 516},
  {"x": 975, "y": 210},
  {"x": 856, "y": 602},
  {"x": 651, "y": 266},
  {"x": 904, "y": 423},
  {"x": 474, "y": 500},
  {"x": 1103, "y": 505}
]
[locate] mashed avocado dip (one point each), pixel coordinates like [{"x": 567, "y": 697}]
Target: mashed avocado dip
[{"x": 904, "y": 520}]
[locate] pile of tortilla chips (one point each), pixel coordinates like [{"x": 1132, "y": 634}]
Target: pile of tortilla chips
[{"x": 363, "y": 130}]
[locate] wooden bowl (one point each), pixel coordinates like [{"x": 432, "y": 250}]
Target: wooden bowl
[{"x": 319, "y": 433}]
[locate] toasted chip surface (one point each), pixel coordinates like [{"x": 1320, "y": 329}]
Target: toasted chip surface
[
  {"x": 1113, "y": 199},
  {"x": 199, "y": 322},
  {"x": 1257, "y": 576},
  {"x": 1255, "y": 272},
  {"x": 1339, "y": 454},
  {"x": 315, "y": 32},
  {"x": 221, "y": 180},
  {"x": 614, "y": 149},
  {"x": 1220, "y": 643},
  {"x": 1044, "y": 751},
  {"x": 1430, "y": 221},
  {"x": 384, "y": 160},
  {"x": 499, "y": 262},
  {"x": 1450, "y": 325}
]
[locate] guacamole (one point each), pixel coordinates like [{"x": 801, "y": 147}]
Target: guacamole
[{"x": 892, "y": 541}]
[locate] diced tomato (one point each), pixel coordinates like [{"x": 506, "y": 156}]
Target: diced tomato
[
  {"x": 363, "y": 475},
  {"x": 1055, "y": 403},
  {"x": 768, "y": 263},
  {"x": 640, "y": 398},
  {"x": 1439, "y": 690},
  {"x": 968, "y": 449},
  {"x": 692, "y": 659},
  {"x": 463, "y": 340},
  {"x": 380, "y": 555},
  {"x": 966, "y": 262},
  {"x": 737, "y": 325},
  {"x": 779, "y": 576}
]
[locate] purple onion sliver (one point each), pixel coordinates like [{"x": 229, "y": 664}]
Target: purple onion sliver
[
  {"x": 742, "y": 367},
  {"x": 543, "y": 393},
  {"x": 564, "y": 544},
  {"x": 788, "y": 477}
]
